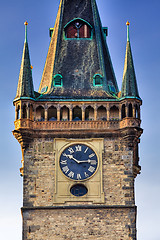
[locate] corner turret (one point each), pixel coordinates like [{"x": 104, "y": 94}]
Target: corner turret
[{"x": 129, "y": 83}]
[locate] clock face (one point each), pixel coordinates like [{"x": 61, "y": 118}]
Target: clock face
[{"x": 78, "y": 162}]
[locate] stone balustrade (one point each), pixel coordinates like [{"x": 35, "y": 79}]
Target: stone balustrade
[{"x": 51, "y": 125}]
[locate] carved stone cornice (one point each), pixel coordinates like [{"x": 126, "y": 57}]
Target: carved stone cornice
[{"x": 24, "y": 137}]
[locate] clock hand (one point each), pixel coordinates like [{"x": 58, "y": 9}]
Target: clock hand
[{"x": 71, "y": 157}]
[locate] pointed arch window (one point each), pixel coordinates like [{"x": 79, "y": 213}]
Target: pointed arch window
[{"x": 78, "y": 29}]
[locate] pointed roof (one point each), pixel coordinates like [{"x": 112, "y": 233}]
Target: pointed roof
[
  {"x": 25, "y": 83},
  {"x": 129, "y": 83},
  {"x": 78, "y": 60}
]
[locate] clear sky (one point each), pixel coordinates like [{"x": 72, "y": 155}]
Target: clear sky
[{"x": 144, "y": 17}]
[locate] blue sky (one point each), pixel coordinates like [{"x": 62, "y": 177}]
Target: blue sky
[{"x": 145, "y": 38}]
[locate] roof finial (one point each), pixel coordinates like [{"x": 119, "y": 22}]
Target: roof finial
[
  {"x": 26, "y": 23},
  {"x": 127, "y": 23}
]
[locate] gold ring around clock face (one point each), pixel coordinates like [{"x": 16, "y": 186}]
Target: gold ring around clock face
[{"x": 78, "y": 162}]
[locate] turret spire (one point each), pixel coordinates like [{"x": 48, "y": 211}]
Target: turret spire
[
  {"x": 129, "y": 83},
  {"x": 128, "y": 37},
  {"x": 26, "y": 24},
  {"x": 25, "y": 84}
]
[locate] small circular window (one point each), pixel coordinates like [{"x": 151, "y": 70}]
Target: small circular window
[{"x": 79, "y": 190}]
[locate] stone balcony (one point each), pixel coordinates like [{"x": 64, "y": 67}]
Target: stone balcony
[{"x": 76, "y": 125}]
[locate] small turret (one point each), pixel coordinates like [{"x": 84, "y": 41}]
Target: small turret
[
  {"x": 129, "y": 83},
  {"x": 25, "y": 88}
]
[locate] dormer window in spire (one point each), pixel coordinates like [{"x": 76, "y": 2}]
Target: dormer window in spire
[
  {"x": 97, "y": 80},
  {"x": 58, "y": 80},
  {"x": 78, "y": 29}
]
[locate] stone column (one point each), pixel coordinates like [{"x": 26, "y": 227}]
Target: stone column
[
  {"x": 70, "y": 113},
  {"x": 120, "y": 112},
  {"x": 58, "y": 113},
  {"x": 108, "y": 112},
  {"x": 83, "y": 113},
  {"x": 95, "y": 112},
  {"x": 46, "y": 113},
  {"x": 21, "y": 111},
  {"x": 134, "y": 111},
  {"x": 27, "y": 109}
]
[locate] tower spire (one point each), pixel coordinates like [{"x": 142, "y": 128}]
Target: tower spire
[
  {"x": 78, "y": 54},
  {"x": 25, "y": 83},
  {"x": 129, "y": 83},
  {"x": 26, "y": 24}
]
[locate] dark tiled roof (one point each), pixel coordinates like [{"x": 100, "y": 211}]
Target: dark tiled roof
[{"x": 78, "y": 60}]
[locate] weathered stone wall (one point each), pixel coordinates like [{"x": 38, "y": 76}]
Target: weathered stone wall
[
  {"x": 39, "y": 174},
  {"x": 42, "y": 219},
  {"x": 82, "y": 224}
]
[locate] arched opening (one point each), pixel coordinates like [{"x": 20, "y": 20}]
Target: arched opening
[
  {"x": 114, "y": 113},
  {"x": 123, "y": 111},
  {"x": 130, "y": 110},
  {"x": 52, "y": 113},
  {"x": 24, "y": 109},
  {"x": 18, "y": 112},
  {"x": 89, "y": 113},
  {"x": 137, "y": 109},
  {"x": 77, "y": 113},
  {"x": 64, "y": 113},
  {"x": 102, "y": 113},
  {"x": 31, "y": 112},
  {"x": 78, "y": 29},
  {"x": 40, "y": 113}
]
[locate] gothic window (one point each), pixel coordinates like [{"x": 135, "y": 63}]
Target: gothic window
[
  {"x": 64, "y": 113},
  {"x": 123, "y": 111},
  {"x": 78, "y": 29},
  {"x": 97, "y": 80},
  {"x": 52, "y": 113},
  {"x": 114, "y": 113},
  {"x": 18, "y": 111},
  {"x": 102, "y": 113},
  {"x": 89, "y": 113},
  {"x": 77, "y": 113},
  {"x": 58, "y": 80},
  {"x": 130, "y": 110},
  {"x": 24, "y": 111},
  {"x": 40, "y": 113}
]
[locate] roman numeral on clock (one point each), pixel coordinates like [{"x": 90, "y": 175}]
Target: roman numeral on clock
[
  {"x": 91, "y": 155},
  {"x": 71, "y": 174},
  {"x": 65, "y": 169},
  {"x": 78, "y": 148},
  {"x": 91, "y": 169},
  {"x": 70, "y": 150},
  {"x": 63, "y": 162},
  {"x": 79, "y": 176}
]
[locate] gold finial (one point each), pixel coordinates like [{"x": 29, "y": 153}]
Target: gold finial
[
  {"x": 127, "y": 23},
  {"x": 26, "y": 23},
  {"x": 31, "y": 67}
]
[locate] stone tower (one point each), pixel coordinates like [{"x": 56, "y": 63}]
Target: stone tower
[{"x": 79, "y": 135}]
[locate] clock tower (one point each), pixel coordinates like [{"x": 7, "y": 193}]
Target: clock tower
[{"x": 79, "y": 135}]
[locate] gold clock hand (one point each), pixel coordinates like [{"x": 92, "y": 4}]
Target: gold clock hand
[{"x": 71, "y": 157}]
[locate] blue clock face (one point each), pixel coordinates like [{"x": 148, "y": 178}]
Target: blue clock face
[{"x": 78, "y": 162}]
